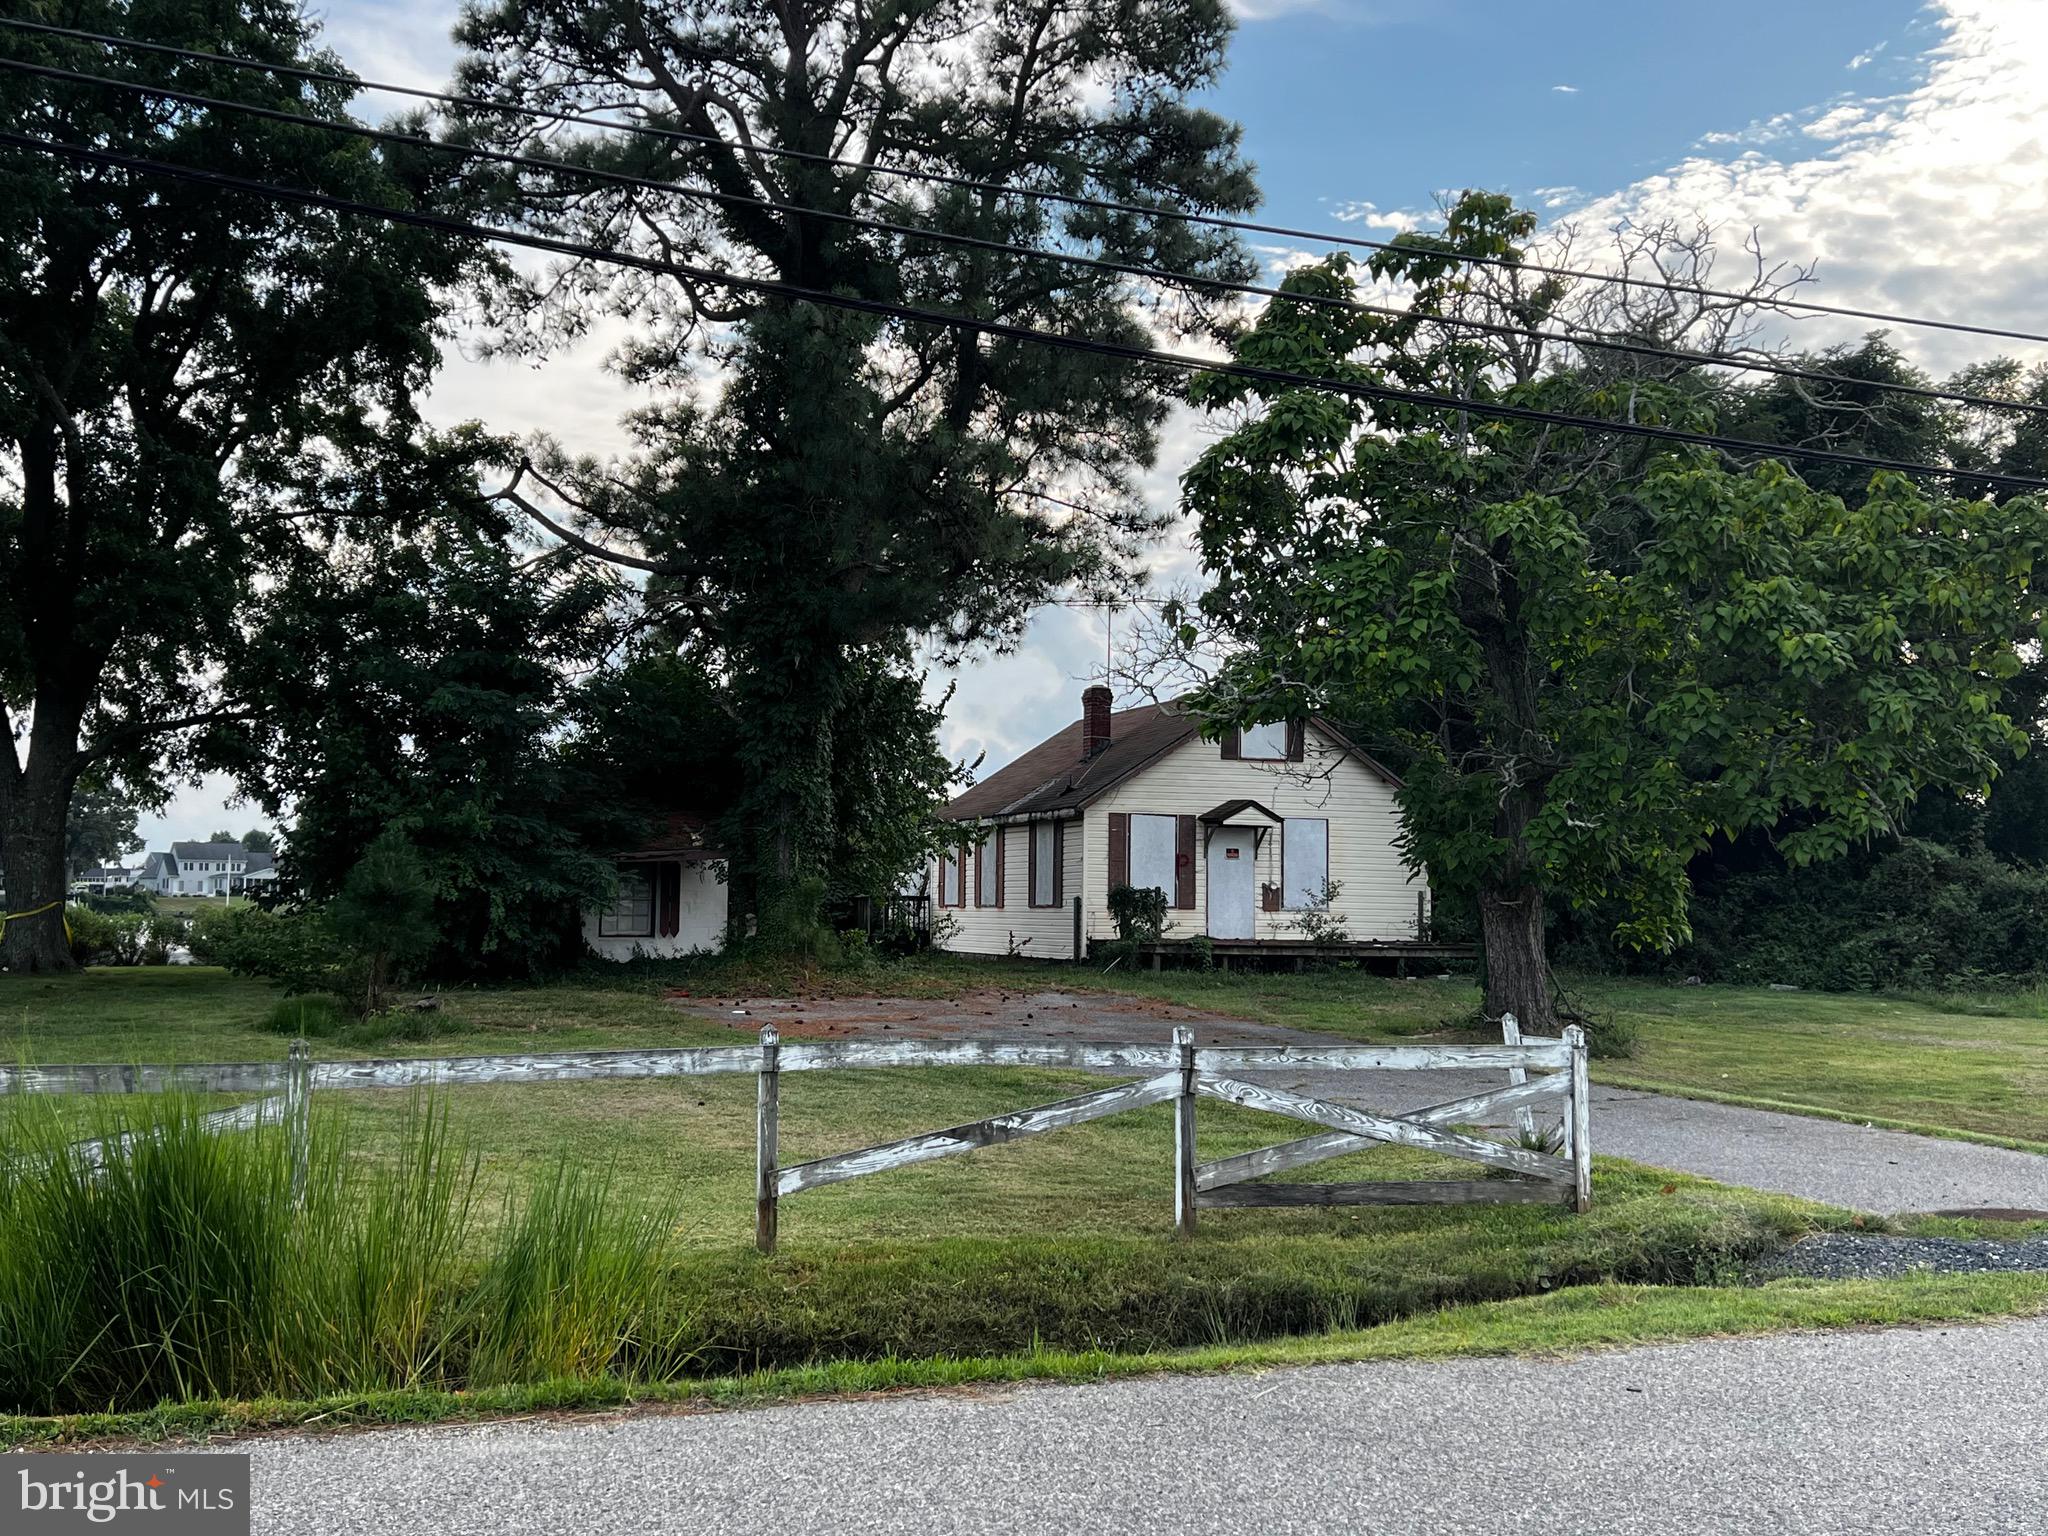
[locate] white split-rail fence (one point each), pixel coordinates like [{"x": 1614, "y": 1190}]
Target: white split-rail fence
[{"x": 1524, "y": 1171}]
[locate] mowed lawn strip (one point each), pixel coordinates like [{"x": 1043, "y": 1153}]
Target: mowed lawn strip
[{"x": 1565, "y": 1322}]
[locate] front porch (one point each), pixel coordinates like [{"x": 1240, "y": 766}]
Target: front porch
[{"x": 1297, "y": 954}]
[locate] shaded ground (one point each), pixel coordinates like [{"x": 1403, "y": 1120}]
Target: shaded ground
[
  {"x": 1851, "y": 1432},
  {"x": 1866, "y": 1169}
]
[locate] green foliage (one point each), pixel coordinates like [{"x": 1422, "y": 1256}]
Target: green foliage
[
  {"x": 184, "y": 1268},
  {"x": 99, "y": 827},
  {"x": 309, "y": 1016},
  {"x": 180, "y": 366},
  {"x": 418, "y": 685},
  {"x": 856, "y": 481},
  {"x": 1593, "y": 655},
  {"x": 1138, "y": 911},
  {"x": 123, "y": 937},
  {"x": 1909, "y": 915},
  {"x": 298, "y": 949},
  {"x": 384, "y": 913},
  {"x": 1321, "y": 923}
]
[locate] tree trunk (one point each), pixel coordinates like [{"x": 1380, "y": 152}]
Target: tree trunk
[
  {"x": 32, "y": 866},
  {"x": 1517, "y": 970}
]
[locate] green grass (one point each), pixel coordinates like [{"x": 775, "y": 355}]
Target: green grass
[{"x": 1563, "y": 1322}]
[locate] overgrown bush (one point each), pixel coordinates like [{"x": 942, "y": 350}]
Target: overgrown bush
[
  {"x": 1909, "y": 915},
  {"x": 123, "y": 937},
  {"x": 298, "y": 950},
  {"x": 1139, "y": 913}
]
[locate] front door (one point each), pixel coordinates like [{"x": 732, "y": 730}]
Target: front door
[{"x": 1232, "y": 883}]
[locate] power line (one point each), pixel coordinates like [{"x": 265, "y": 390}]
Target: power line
[
  {"x": 943, "y": 178},
  {"x": 977, "y": 242},
  {"x": 1492, "y": 409}
]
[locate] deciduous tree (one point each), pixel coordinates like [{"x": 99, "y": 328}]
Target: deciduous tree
[{"x": 1595, "y": 652}]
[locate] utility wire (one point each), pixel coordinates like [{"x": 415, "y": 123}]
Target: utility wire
[
  {"x": 1492, "y": 409},
  {"x": 977, "y": 242},
  {"x": 943, "y": 178}
]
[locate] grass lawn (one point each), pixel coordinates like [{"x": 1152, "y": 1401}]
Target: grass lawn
[{"x": 1054, "y": 1256}]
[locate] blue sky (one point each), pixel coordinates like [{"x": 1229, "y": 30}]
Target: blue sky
[
  {"x": 1387, "y": 103},
  {"x": 1902, "y": 146}
]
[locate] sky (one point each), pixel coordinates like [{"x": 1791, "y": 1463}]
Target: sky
[{"x": 1900, "y": 147}]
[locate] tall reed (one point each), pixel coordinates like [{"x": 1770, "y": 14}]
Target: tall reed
[{"x": 180, "y": 1267}]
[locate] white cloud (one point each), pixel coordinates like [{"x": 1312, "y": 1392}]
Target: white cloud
[
  {"x": 1868, "y": 56},
  {"x": 1931, "y": 202},
  {"x": 1566, "y": 90}
]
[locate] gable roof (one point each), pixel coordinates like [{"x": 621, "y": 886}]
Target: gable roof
[
  {"x": 206, "y": 850},
  {"x": 1053, "y": 777}
]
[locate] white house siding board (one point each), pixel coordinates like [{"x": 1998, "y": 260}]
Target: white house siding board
[
  {"x": 1378, "y": 899},
  {"x": 1049, "y": 930},
  {"x": 701, "y": 924}
]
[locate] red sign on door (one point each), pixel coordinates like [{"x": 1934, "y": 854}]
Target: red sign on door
[{"x": 1230, "y": 853}]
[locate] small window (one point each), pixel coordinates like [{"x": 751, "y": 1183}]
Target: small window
[
  {"x": 1044, "y": 863},
  {"x": 988, "y": 864},
  {"x": 1264, "y": 743},
  {"x": 1306, "y": 860},
  {"x": 631, "y": 915}
]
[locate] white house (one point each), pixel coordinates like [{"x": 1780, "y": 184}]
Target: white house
[
  {"x": 194, "y": 869},
  {"x": 671, "y": 897},
  {"x": 1242, "y": 836}
]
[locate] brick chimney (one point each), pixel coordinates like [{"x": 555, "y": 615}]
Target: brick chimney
[{"x": 1095, "y": 703}]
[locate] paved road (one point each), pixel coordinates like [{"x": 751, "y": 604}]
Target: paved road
[{"x": 1856, "y": 1432}]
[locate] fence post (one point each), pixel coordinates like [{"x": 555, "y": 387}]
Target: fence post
[
  {"x": 766, "y": 1154},
  {"x": 1080, "y": 946},
  {"x": 1579, "y": 1121},
  {"x": 1184, "y": 1135},
  {"x": 1525, "y": 1117},
  {"x": 298, "y": 1113}
]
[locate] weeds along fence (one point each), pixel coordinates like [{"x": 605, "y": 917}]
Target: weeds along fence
[{"x": 1542, "y": 1164}]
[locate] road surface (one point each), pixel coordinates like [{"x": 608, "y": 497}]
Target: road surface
[{"x": 1905, "y": 1431}]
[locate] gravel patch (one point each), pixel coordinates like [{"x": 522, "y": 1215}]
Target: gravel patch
[{"x": 1868, "y": 1256}]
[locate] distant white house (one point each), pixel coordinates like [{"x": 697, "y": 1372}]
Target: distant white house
[
  {"x": 671, "y": 897},
  {"x": 1243, "y": 836},
  {"x": 102, "y": 879},
  {"x": 200, "y": 869}
]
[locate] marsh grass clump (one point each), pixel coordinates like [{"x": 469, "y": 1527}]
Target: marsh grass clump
[{"x": 175, "y": 1265}]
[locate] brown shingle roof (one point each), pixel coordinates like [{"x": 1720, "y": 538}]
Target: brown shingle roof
[{"x": 1052, "y": 777}]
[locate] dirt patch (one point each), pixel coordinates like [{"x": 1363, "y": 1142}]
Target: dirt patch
[{"x": 984, "y": 1014}]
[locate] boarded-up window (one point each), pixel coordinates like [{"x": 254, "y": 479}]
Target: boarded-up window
[
  {"x": 1266, "y": 743},
  {"x": 631, "y": 915},
  {"x": 949, "y": 880},
  {"x": 1152, "y": 850},
  {"x": 1045, "y": 863},
  {"x": 988, "y": 871},
  {"x": 1305, "y": 861}
]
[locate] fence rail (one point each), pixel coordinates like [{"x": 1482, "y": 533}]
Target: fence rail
[{"x": 1181, "y": 1072}]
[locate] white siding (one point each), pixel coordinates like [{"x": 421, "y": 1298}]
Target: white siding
[
  {"x": 1379, "y": 896},
  {"x": 1045, "y": 933},
  {"x": 702, "y": 925}
]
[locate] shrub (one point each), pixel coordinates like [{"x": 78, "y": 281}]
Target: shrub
[
  {"x": 1139, "y": 913},
  {"x": 384, "y": 915},
  {"x": 1319, "y": 923},
  {"x": 92, "y": 935},
  {"x": 310, "y": 1016}
]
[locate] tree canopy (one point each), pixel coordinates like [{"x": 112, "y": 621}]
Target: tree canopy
[
  {"x": 1593, "y": 653},
  {"x": 173, "y": 357},
  {"x": 816, "y": 487}
]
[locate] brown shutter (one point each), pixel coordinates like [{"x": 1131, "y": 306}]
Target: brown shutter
[
  {"x": 1119, "y": 848},
  {"x": 977, "y": 874},
  {"x": 1002, "y": 837},
  {"x": 1271, "y": 895},
  {"x": 1184, "y": 862},
  {"x": 963, "y": 874},
  {"x": 1059, "y": 862},
  {"x": 1031, "y": 863},
  {"x": 669, "y": 907},
  {"x": 1297, "y": 740},
  {"x": 1233, "y": 744}
]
